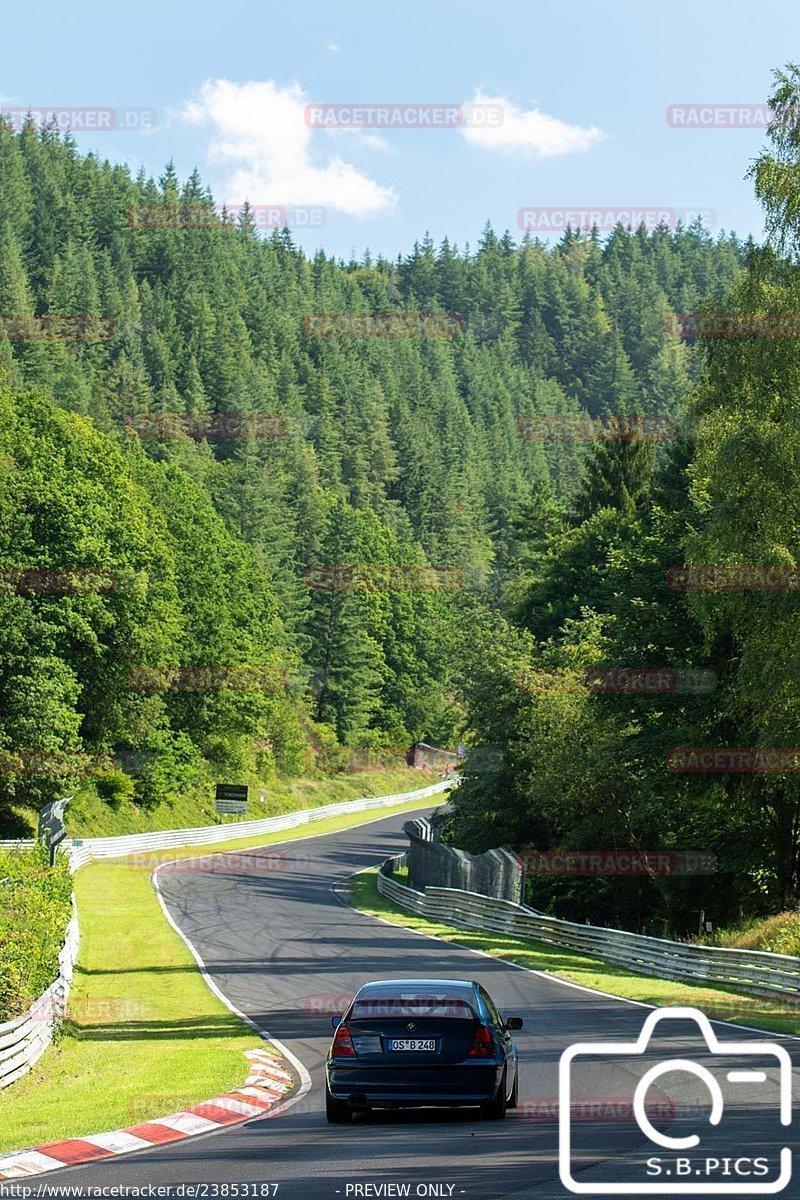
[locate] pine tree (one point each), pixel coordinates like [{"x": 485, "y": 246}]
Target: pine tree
[{"x": 617, "y": 475}]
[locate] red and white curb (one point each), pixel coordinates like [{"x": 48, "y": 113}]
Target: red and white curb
[{"x": 266, "y": 1084}]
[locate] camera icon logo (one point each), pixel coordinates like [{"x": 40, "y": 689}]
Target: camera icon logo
[{"x": 674, "y": 1171}]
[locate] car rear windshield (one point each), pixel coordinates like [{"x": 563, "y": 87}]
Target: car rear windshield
[{"x": 427, "y": 1005}]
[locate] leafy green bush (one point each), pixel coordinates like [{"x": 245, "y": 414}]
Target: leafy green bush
[
  {"x": 115, "y": 787},
  {"x": 35, "y": 909}
]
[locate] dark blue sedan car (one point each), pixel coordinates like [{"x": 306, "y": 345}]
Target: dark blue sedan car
[{"x": 414, "y": 1042}]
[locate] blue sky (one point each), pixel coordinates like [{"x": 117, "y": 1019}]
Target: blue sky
[{"x": 585, "y": 88}]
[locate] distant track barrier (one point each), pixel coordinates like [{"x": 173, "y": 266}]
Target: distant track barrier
[{"x": 757, "y": 971}]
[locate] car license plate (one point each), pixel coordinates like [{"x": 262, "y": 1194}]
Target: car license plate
[{"x": 428, "y": 1044}]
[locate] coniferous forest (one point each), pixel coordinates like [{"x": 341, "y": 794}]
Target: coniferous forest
[{"x": 390, "y": 463}]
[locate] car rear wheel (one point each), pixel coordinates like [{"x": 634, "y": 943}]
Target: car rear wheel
[
  {"x": 512, "y": 1103},
  {"x": 495, "y": 1110},
  {"x": 337, "y": 1112}
]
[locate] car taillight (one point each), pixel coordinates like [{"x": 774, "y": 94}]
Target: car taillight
[
  {"x": 343, "y": 1042},
  {"x": 482, "y": 1043}
]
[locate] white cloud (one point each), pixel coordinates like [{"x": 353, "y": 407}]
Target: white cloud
[
  {"x": 259, "y": 133},
  {"x": 528, "y": 134},
  {"x": 333, "y": 47}
]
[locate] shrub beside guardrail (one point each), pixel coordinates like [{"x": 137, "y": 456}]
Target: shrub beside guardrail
[
  {"x": 745, "y": 970},
  {"x": 24, "y": 1040},
  {"x": 34, "y": 911}
]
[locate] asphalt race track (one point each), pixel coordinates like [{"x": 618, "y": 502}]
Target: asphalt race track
[{"x": 282, "y": 947}]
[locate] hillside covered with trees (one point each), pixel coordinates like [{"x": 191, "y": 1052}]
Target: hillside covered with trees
[
  {"x": 584, "y": 764},
  {"x": 402, "y": 452}
]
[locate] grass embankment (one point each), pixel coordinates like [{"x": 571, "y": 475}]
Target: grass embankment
[
  {"x": 779, "y": 935},
  {"x": 718, "y": 1003},
  {"x": 145, "y": 1036},
  {"x": 89, "y": 816}
]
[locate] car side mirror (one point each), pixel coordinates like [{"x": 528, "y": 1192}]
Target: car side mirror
[
  {"x": 336, "y": 1022},
  {"x": 514, "y": 1023}
]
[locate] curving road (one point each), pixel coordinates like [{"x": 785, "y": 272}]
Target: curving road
[{"x": 282, "y": 947}]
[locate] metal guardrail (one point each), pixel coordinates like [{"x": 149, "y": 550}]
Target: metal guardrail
[
  {"x": 84, "y": 850},
  {"x": 24, "y": 1040},
  {"x": 756, "y": 971}
]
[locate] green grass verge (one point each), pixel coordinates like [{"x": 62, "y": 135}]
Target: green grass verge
[
  {"x": 145, "y": 1036},
  {"x": 718, "y": 1003}
]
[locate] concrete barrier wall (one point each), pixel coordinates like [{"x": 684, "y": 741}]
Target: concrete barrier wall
[{"x": 495, "y": 873}]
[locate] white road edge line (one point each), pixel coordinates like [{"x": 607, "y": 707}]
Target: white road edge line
[
  {"x": 305, "y": 1078},
  {"x": 581, "y": 987},
  {"x": 281, "y": 1106}
]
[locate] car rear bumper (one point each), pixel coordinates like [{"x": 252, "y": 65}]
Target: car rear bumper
[{"x": 448, "y": 1085}]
